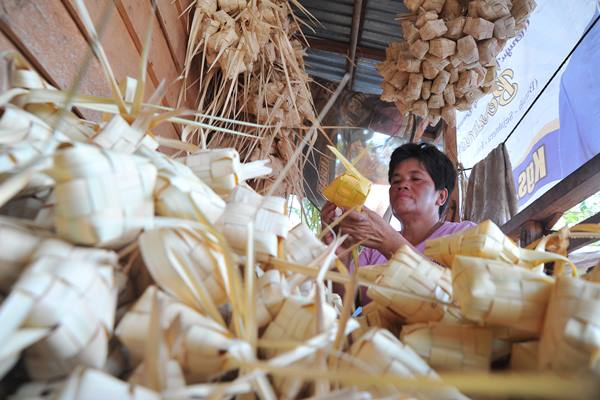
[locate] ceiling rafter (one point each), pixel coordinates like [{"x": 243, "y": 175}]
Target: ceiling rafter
[{"x": 335, "y": 46}]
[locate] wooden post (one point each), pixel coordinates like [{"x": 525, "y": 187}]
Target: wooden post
[
  {"x": 454, "y": 207},
  {"x": 356, "y": 21},
  {"x": 530, "y": 232}
]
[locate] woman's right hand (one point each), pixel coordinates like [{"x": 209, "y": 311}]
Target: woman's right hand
[{"x": 327, "y": 218}]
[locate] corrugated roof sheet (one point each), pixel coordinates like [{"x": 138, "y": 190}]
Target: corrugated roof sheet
[
  {"x": 379, "y": 26},
  {"x": 325, "y": 64},
  {"x": 335, "y": 17},
  {"x": 366, "y": 77},
  {"x": 378, "y": 30}
]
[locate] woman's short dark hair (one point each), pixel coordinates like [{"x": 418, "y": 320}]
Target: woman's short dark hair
[{"x": 437, "y": 164}]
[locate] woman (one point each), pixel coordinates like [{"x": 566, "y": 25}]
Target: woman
[{"x": 421, "y": 181}]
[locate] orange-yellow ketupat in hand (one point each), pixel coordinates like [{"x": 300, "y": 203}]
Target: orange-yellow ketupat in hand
[{"x": 350, "y": 189}]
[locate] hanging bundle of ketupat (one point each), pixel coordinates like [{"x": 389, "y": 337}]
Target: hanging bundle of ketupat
[{"x": 446, "y": 59}]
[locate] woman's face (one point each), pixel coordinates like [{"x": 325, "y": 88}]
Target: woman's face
[{"x": 412, "y": 190}]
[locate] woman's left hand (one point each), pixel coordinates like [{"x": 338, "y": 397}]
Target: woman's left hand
[{"x": 373, "y": 231}]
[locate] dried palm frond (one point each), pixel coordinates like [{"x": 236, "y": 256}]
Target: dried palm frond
[
  {"x": 159, "y": 371},
  {"x": 558, "y": 242},
  {"x": 298, "y": 320},
  {"x": 222, "y": 170},
  {"x": 76, "y": 300},
  {"x": 190, "y": 258},
  {"x": 22, "y": 80},
  {"x": 15, "y": 343},
  {"x": 103, "y": 198},
  {"x": 272, "y": 289},
  {"x": 414, "y": 274},
  {"x": 497, "y": 293},
  {"x": 23, "y": 138},
  {"x": 450, "y": 346},
  {"x": 571, "y": 336},
  {"x": 251, "y": 65}
]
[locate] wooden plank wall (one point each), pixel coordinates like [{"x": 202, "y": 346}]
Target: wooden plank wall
[{"x": 50, "y": 35}]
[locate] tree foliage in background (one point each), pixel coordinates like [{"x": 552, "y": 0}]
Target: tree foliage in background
[
  {"x": 579, "y": 213},
  {"x": 306, "y": 212}
]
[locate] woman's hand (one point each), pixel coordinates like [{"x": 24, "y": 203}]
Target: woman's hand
[
  {"x": 327, "y": 218},
  {"x": 368, "y": 227}
]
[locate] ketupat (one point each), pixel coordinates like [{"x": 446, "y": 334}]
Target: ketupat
[
  {"x": 302, "y": 246},
  {"x": 222, "y": 170},
  {"x": 268, "y": 216},
  {"x": 201, "y": 345},
  {"x": 426, "y": 287},
  {"x": 450, "y": 346},
  {"x": 349, "y": 190},
  {"x": 485, "y": 240},
  {"x": 103, "y": 198},
  {"x": 75, "y": 301},
  {"x": 86, "y": 383},
  {"x": 187, "y": 265},
  {"x": 496, "y": 293},
  {"x": 570, "y": 338},
  {"x": 181, "y": 194},
  {"x": 379, "y": 352}
]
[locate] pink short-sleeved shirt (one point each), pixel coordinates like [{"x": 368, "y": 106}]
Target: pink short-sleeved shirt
[{"x": 370, "y": 256}]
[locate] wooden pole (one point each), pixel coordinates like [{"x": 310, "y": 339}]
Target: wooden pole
[
  {"x": 356, "y": 20},
  {"x": 453, "y": 213}
]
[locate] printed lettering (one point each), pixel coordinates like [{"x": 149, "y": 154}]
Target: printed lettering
[
  {"x": 539, "y": 160},
  {"x": 530, "y": 171},
  {"x": 505, "y": 91},
  {"x": 535, "y": 171},
  {"x": 522, "y": 185}
]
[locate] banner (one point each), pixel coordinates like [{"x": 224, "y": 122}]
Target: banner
[
  {"x": 526, "y": 64},
  {"x": 565, "y": 123}
]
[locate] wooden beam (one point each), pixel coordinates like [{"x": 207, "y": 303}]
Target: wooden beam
[
  {"x": 356, "y": 18},
  {"x": 335, "y": 46},
  {"x": 46, "y": 35},
  {"x": 449, "y": 132},
  {"x": 530, "y": 232},
  {"x": 420, "y": 130},
  {"x": 579, "y": 243},
  {"x": 573, "y": 189},
  {"x": 438, "y": 137}
]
